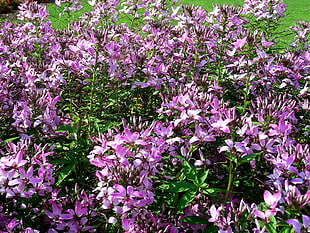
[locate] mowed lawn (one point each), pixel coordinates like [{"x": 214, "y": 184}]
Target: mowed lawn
[{"x": 296, "y": 9}]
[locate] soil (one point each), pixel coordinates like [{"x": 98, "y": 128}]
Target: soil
[{"x": 12, "y": 14}]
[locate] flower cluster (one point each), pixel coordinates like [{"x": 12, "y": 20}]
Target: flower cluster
[
  {"x": 266, "y": 9},
  {"x": 71, "y": 214},
  {"x": 150, "y": 116},
  {"x": 127, "y": 164}
]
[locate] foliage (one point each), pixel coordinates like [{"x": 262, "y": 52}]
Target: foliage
[{"x": 179, "y": 120}]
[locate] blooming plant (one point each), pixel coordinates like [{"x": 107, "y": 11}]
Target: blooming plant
[{"x": 152, "y": 116}]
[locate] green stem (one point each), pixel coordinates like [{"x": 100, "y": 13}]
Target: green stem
[
  {"x": 247, "y": 81},
  {"x": 247, "y": 90},
  {"x": 232, "y": 171},
  {"x": 117, "y": 97},
  {"x": 92, "y": 93}
]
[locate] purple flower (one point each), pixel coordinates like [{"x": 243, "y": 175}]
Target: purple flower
[
  {"x": 264, "y": 144},
  {"x": 132, "y": 138},
  {"x": 201, "y": 136},
  {"x": 128, "y": 224},
  {"x": 57, "y": 213},
  {"x": 190, "y": 114},
  {"x": 295, "y": 223},
  {"x": 272, "y": 200},
  {"x": 266, "y": 44},
  {"x": 237, "y": 45},
  {"x": 298, "y": 226},
  {"x": 79, "y": 210},
  {"x": 283, "y": 128},
  {"x": 238, "y": 146},
  {"x": 215, "y": 214},
  {"x": 240, "y": 43},
  {"x": 162, "y": 131},
  {"x": 12, "y": 224},
  {"x": 222, "y": 125}
]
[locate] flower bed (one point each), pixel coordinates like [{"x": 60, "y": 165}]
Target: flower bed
[{"x": 179, "y": 120}]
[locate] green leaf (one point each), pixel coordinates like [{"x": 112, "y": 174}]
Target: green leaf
[
  {"x": 156, "y": 92},
  {"x": 204, "y": 185},
  {"x": 61, "y": 161},
  {"x": 225, "y": 166},
  {"x": 247, "y": 158},
  {"x": 62, "y": 128},
  {"x": 232, "y": 157},
  {"x": 211, "y": 229},
  {"x": 64, "y": 173},
  {"x": 194, "y": 220},
  {"x": 247, "y": 103},
  {"x": 177, "y": 187},
  {"x": 168, "y": 199},
  {"x": 239, "y": 108},
  {"x": 178, "y": 156},
  {"x": 287, "y": 230},
  {"x": 273, "y": 220},
  {"x": 271, "y": 227},
  {"x": 202, "y": 176},
  {"x": 8, "y": 140},
  {"x": 186, "y": 199},
  {"x": 213, "y": 191},
  {"x": 190, "y": 172}
]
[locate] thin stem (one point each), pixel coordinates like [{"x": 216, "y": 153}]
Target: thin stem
[
  {"x": 92, "y": 93},
  {"x": 230, "y": 178},
  {"x": 247, "y": 89}
]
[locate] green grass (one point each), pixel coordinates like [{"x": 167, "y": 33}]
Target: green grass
[
  {"x": 208, "y": 4},
  {"x": 296, "y": 9}
]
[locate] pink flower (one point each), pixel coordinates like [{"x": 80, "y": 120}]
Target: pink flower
[
  {"x": 132, "y": 138},
  {"x": 201, "y": 136},
  {"x": 283, "y": 128},
  {"x": 222, "y": 125},
  {"x": 272, "y": 200},
  {"x": 12, "y": 224},
  {"x": 128, "y": 224},
  {"x": 240, "y": 43},
  {"x": 266, "y": 44},
  {"x": 215, "y": 214},
  {"x": 237, "y": 45},
  {"x": 79, "y": 210}
]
